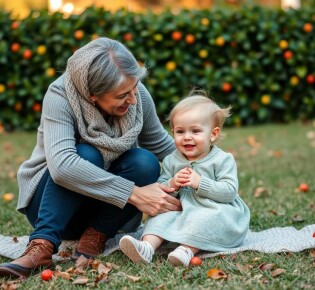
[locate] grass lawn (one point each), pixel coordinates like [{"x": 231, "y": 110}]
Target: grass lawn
[{"x": 272, "y": 161}]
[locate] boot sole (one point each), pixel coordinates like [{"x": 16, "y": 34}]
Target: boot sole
[
  {"x": 23, "y": 273},
  {"x": 129, "y": 249}
]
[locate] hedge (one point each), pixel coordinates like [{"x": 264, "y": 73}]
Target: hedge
[{"x": 261, "y": 61}]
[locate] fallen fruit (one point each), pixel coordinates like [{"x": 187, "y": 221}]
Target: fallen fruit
[
  {"x": 8, "y": 196},
  {"x": 303, "y": 187},
  {"x": 195, "y": 261},
  {"x": 47, "y": 274}
]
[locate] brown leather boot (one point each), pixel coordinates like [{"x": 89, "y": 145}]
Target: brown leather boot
[
  {"x": 37, "y": 254},
  {"x": 91, "y": 244}
]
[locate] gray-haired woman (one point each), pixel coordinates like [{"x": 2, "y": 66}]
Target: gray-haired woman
[{"x": 96, "y": 162}]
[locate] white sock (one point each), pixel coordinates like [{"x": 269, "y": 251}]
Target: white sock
[
  {"x": 137, "y": 251},
  {"x": 180, "y": 256}
]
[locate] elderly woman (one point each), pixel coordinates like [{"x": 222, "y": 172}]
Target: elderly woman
[{"x": 94, "y": 168}]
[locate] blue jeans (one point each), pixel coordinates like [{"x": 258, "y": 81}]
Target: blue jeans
[{"x": 57, "y": 213}]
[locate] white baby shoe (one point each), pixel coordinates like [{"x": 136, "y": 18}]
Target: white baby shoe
[
  {"x": 137, "y": 251},
  {"x": 180, "y": 256}
]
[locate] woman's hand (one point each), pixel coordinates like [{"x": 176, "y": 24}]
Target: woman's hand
[{"x": 154, "y": 199}]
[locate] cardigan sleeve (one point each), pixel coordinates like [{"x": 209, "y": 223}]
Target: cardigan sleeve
[
  {"x": 224, "y": 187},
  {"x": 66, "y": 167}
]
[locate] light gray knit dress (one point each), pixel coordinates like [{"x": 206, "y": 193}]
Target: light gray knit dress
[
  {"x": 214, "y": 217},
  {"x": 55, "y": 149}
]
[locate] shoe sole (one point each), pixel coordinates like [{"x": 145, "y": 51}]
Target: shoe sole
[
  {"x": 174, "y": 261},
  {"x": 129, "y": 249},
  {"x": 11, "y": 272}
]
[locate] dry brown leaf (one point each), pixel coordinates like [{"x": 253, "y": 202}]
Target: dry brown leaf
[
  {"x": 243, "y": 268},
  {"x": 111, "y": 265},
  {"x": 79, "y": 271},
  {"x": 266, "y": 267},
  {"x": 310, "y": 135},
  {"x": 260, "y": 191},
  {"x": 11, "y": 285},
  {"x": 312, "y": 253},
  {"x": 62, "y": 275},
  {"x": 216, "y": 273},
  {"x": 277, "y": 272},
  {"x": 297, "y": 218},
  {"x": 251, "y": 141},
  {"x": 15, "y": 239},
  {"x": 102, "y": 269},
  {"x": 82, "y": 262},
  {"x": 80, "y": 281},
  {"x": 131, "y": 278},
  {"x": 64, "y": 254},
  {"x": 70, "y": 270}
]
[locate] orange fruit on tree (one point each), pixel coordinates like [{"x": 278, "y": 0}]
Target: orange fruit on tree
[
  {"x": 2, "y": 88},
  {"x": 27, "y": 53},
  {"x": 265, "y": 99},
  {"x": 18, "y": 107},
  {"x": 307, "y": 27},
  {"x": 203, "y": 53},
  {"x": 294, "y": 80},
  {"x": 15, "y": 25},
  {"x": 219, "y": 41},
  {"x": 170, "y": 65},
  {"x": 288, "y": 54},
  {"x": 128, "y": 36},
  {"x": 310, "y": 79},
  {"x": 190, "y": 38},
  {"x": 15, "y": 47},
  {"x": 176, "y": 35},
  {"x": 304, "y": 187},
  {"x": 283, "y": 44},
  {"x": 205, "y": 21},
  {"x": 78, "y": 34},
  {"x": 37, "y": 107},
  {"x": 226, "y": 87},
  {"x": 41, "y": 49},
  {"x": 50, "y": 72}
]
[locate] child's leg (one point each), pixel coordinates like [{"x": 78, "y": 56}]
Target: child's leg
[
  {"x": 140, "y": 251},
  {"x": 182, "y": 255}
]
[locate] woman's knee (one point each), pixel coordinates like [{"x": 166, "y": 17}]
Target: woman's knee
[
  {"x": 91, "y": 154},
  {"x": 138, "y": 165}
]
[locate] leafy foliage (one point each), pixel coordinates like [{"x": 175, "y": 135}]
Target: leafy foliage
[{"x": 257, "y": 59}]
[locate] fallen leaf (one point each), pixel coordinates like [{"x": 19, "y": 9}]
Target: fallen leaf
[
  {"x": 64, "y": 254},
  {"x": 266, "y": 267},
  {"x": 243, "y": 268},
  {"x": 80, "y": 281},
  {"x": 310, "y": 135},
  {"x": 15, "y": 239},
  {"x": 277, "y": 272},
  {"x": 312, "y": 251},
  {"x": 259, "y": 191},
  {"x": 297, "y": 218},
  {"x": 10, "y": 285},
  {"x": 102, "y": 269},
  {"x": 251, "y": 141},
  {"x": 132, "y": 278},
  {"x": 62, "y": 275},
  {"x": 216, "y": 273},
  {"x": 82, "y": 262}
]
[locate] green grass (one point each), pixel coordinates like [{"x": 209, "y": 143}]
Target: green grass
[{"x": 279, "y": 159}]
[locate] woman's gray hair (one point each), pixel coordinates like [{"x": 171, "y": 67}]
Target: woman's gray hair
[{"x": 112, "y": 66}]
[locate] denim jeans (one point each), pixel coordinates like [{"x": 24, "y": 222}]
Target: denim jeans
[{"x": 57, "y": 213}]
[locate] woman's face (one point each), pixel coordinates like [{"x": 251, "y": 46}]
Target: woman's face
[{"x": 117, "y": 102}]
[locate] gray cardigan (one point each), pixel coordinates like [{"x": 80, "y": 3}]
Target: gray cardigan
[{"x": 55, "y": 149}]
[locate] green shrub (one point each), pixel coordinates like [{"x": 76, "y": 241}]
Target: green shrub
[{"x": 260, "y": 61}]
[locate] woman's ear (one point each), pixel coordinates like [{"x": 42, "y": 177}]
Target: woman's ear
[
  {"x": 215, "y": 134},
  {"x": 93, "y": 99}
]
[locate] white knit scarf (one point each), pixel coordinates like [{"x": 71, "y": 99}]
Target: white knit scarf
[{"x": 111, "y": 138}]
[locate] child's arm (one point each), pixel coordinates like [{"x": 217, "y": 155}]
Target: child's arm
[
  {"x": 225, "y": 186},
  {"x": 224, "y": 189}
]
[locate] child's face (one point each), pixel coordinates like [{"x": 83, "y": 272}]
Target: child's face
[{"x": 192, "y": 134}]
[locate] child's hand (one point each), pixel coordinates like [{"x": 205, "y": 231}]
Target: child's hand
[
  {"x": 180, "y": 178},
  {"x": 193, "y": 179}
]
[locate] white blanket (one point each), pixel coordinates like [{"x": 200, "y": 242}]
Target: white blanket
[{"x": 274, "y": 240}]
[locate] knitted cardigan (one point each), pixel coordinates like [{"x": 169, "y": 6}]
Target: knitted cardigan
[{"x": 55, "y": 150}]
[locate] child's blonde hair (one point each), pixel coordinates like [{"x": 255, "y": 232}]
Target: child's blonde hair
[{"x": 207, "y": 108}]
